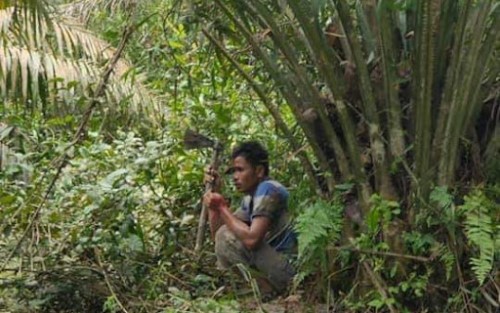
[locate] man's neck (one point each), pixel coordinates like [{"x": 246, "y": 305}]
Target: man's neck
[{"x": 254, "y": 189}]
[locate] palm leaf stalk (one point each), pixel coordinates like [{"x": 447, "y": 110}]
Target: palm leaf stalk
[
  {"x": 422, "y": 87},
  {"x": 460, "y": 103},
  {"x": 451, "y": 81},
  {"x": 330, "y": 72},
  {"x": 366, "y": 13},
  {"x": 492, "y": 150},
  {"x": 391, "y": 84},
  {"x": 383, "y": 182},
  {"x": 280, "y": 77},
  {"x": 486, "y": 73},
  {"x": 280, "y": 122},
  {"x": 314, "y": 99},
  {"x": 447, "y": 21}
]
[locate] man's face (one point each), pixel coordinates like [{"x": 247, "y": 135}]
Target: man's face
[{"x": 245, "y": 176}]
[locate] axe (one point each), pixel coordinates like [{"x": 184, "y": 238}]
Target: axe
[{"x": 194, "y": 140}]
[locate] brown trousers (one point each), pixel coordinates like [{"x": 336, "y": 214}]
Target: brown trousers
[{"x": 273, "y": 265}]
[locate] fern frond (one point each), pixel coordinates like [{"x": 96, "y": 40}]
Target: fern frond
[
  {"x": 447, "y": 258},
  {"x": 311, "y": 226},
  {"x": 320, "y": 224},
  {"x": 318, "y": 227},
  {"x": 480, "y": 232}
]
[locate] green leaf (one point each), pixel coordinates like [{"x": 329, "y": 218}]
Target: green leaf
[
  {"x": 441, "y": 196},
  {"x": 133, "y": 244},
  {"x": 112, "y": 178}
]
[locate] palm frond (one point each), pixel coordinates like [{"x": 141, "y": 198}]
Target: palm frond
[
  {"x": 6, "y": 17},
  {"x": 46, "y": 58},
  {"x": 24, "y": 72},
  {"x": 24, "y": 12},
  {"x": 83, "y": 9},
  {"x": 71, "y": 37}
]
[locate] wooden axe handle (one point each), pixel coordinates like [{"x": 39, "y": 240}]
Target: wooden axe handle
[{"x": 214, "y": 164}]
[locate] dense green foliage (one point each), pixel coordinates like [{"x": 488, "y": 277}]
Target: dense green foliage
[{"x": 381, "y": 118}]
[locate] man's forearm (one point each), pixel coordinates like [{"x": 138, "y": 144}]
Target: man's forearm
[
  {"x": 251, "y": 236},
  {"x": 238, "y": 227},
  {"x": 215, "y": 222}
]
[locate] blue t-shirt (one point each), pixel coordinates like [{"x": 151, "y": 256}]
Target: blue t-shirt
[{"x": 271, "y": 200}]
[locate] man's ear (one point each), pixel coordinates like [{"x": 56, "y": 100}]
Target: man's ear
[{"x": 261, "y": 171}]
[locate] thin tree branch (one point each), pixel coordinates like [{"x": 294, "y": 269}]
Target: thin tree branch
[
  {"x": 386, "y": 253},
  {"x": 379, "y": 284},
  {"x": 106, "y": 279}
]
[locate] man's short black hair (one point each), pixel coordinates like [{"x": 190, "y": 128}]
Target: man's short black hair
[{"x": 254, "y": 153}]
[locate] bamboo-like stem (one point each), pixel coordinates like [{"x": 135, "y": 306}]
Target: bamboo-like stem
[
  {"x": 383, "y": 182},
  {"x": 465, "y": 99},
  {"x": 481, "y": 60},
  {"x": 491, "y": 67},
  {"x": 305, "y": 83},
  {"x": 367, "y": 20},
  {"x": 450, "y": 89},
  {"x": 391, "y": 85},
  {"x": 289, "y": 93},
  {"x": 448, "y": 14},
  {"x": 424, "y": 69},
  {"x": 273, "y": 110}
]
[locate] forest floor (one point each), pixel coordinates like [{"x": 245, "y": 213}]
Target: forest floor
[{"x": 291, "y": 304}]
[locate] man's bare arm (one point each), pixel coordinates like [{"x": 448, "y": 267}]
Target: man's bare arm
[
  {"x": 252, "y": 235},
  {"x": 215, "y": 222}
]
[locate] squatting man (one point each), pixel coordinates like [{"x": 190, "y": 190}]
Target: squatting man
[{"x": 259, "y": 233}]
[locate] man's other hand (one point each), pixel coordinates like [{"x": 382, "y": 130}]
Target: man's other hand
[{"x": 212, "y": 178}]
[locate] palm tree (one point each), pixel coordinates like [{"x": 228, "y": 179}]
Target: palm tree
[
  {"x": 375, "y": 85},
  {"x": 397, "y": 97}
]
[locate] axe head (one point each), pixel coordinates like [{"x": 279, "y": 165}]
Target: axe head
[{"x": 194, "y": 140}]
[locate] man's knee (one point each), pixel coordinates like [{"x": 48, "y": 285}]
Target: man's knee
[{"x": 228, "y": 249}]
